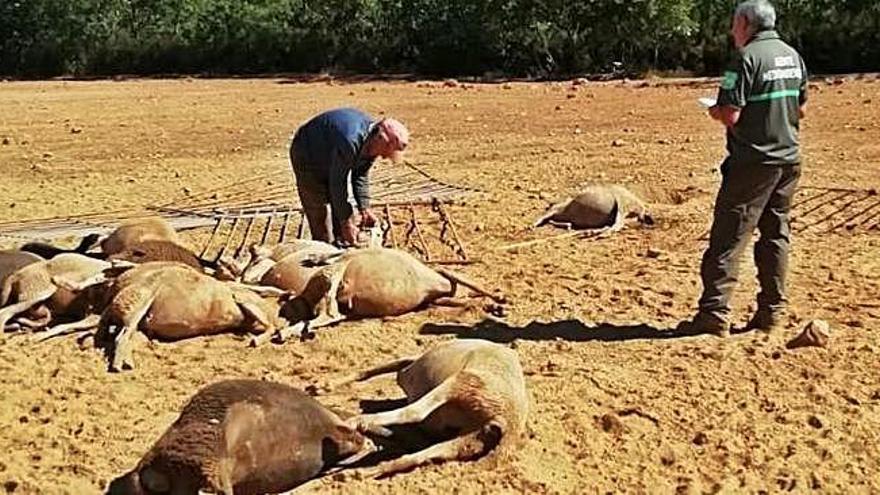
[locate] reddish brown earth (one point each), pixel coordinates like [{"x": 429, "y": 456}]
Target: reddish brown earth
[{"x": 615, "y": 407}]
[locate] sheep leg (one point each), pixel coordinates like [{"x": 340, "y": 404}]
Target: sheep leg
[
  {"x": 13, "y": 309},
  {"x": 86, "y": 323},
  {"x": 412, "y": 413},
  {"x": 254, "y": 311},
  {"x": 458, "y": 278},
  {"x": 545, "y": 218},
  {"x": 382, "y": 369},
  {"x": 78, "y": 286},
  {"x": 122, "y": 352},
  {"x": 33, "y": 324},
  {"x": 121, "y": 359},
  {"x": 226, "y": 482},
  {"x": 260, "y": 290},
  {"x": 297, "y": 330},
  {"x": 603, "y": 232},
  {"x": 260, "y": 339},
  {"x": 452, "y": 302},
  {"x": 561, "y": 225},
  {"x": 461, "y": 448},
  {"x": 231, "y": 265},
  {"x": 254, "y": 271},
  {"x": 327, "y": 309},
  {"x": 321, "y": 259},
  {"x": 283, "y": 334},
  {"x": 331, "y": 313},
  {"x": 325, "y": 320}
]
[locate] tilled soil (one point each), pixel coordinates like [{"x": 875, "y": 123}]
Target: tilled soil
[{"x": 618, "y": 405}]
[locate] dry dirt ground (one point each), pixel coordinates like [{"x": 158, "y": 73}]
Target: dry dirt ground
[{"x": 616, "y": 405}]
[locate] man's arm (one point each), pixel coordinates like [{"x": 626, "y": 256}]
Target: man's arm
[
  {"x": 360, "y": 186},
  {"x": 338, "y": 187},
  {"x": 732, "y": 94}
]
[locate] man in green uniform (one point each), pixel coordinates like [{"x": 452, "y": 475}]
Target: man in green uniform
[{"x": 761, "y": 101}]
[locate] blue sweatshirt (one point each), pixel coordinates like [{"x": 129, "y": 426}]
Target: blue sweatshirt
[{"x": 329, "y": 147}]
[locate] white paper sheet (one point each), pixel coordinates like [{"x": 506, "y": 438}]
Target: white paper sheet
[{"x": 707, "y": 102}]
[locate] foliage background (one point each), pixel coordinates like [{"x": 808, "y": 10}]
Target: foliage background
[{"x": 532, "y": 38}]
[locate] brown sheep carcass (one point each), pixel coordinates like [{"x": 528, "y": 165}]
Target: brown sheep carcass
[
  {"x": 244, "y": 437},
  {"x": 158, "y": 250}
]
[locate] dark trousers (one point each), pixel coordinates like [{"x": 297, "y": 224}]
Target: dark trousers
[
  {"x": 751, "y": 195},
  {"x": 314, "y": 197}
]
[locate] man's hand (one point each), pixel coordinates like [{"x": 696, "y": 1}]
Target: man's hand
[
  {"x": 349, "y": 231},
  {"x": 726, "y": 114},
  {"x": 368, "y": 218}
]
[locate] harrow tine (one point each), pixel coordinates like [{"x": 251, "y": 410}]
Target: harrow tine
[
  {"x": 810, "y": 199},
  {"x": 390, "y": 231},
  {"x": 244, "y": 238},
  {"x": 300, "y": 229},
  {"x": 284, "y": 225},
  {"x": 208, "y": 244},
  {"x": 826, "y": 203},
  {"x": 838, "y": 209},
  {"x": 418, "y": 230},
  {"x": 268, "y": 228},
  {"x": 446, "y": 218},
  {"x": 228, "y": 238}
]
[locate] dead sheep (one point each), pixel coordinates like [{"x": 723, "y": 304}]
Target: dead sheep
[
  {"x": 372, "y": 282},
  {"x": 244, "y": 437},
  {"x": 137, "y": 231},
  {"x": 13, "y": 260},
  {"x": 36, "y": 285},
  {"x": 473, "y": 389},
  {"x": 170, "y": 301},
  {"x": 597, "y": 207},
  {"x": 158, "y": 250}
]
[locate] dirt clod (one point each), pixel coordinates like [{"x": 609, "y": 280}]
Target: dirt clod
[{"x": 611, "y": 423}]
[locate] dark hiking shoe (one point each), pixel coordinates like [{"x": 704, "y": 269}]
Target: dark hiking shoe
[
  {"x": 766, "y": 321},
  {"x": 704, "y": 323}
]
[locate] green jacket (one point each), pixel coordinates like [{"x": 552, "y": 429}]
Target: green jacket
[{"x": 768, "y": 82}]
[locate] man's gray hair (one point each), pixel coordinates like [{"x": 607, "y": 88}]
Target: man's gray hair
[{"x": 760, "y": 14}]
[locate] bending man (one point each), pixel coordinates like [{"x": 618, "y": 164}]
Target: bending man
[{"x": 330, "y": 151}]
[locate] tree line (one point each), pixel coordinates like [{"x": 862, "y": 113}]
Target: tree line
[{"x": 521, "y": 38}]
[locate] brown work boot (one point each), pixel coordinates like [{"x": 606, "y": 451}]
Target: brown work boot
[
  {"x": 704, "y": 323},
  {"x": 766, "y": 321}
]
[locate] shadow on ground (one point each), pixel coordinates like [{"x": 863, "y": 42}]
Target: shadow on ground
[{"x": 570, "y": 330}]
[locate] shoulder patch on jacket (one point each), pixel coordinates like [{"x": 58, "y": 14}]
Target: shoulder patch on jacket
[{"x": 729, "y": 80}]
